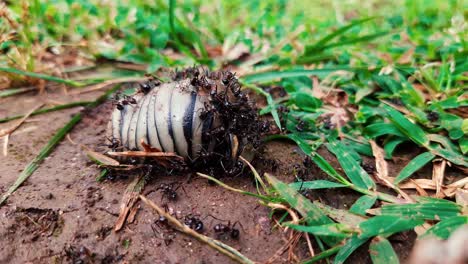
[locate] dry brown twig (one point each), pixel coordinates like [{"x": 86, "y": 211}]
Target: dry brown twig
[{"x": 5, "y": 133}]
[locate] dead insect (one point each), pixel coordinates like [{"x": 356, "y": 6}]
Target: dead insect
[{"x": 187, "y": 115}]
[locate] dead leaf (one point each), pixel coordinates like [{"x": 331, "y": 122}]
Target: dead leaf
[
  {"x": 438, "y": 171},
  {"x": 100, "y": 158},
  {"x": 129, "y": 200}
]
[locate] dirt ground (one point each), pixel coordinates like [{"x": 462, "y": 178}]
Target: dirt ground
[{"x": 63, "y": 215}]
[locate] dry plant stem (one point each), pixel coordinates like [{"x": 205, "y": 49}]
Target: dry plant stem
[
  {"x": 21, "y": 121},
  {"x": 309, "y": 244},
  {"x": 213, "y": 243},
  {"x": 255, "y": 173},
  {"x": 438, "y": 171},
  {"x": 5, "y": 144}
]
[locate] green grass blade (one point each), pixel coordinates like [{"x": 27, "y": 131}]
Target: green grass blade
[
  {"x": 314, "y": 185},
  {"x": 351, "y": 245},
  {"x": 324, "y": 254},
  {"x": 414, "y": 165},
  {"x": 333, "y": 230},
  {"x": 365, "y": 38},
  {"x": 382, "y": 252},
  {"x": 264, "y": 77},
  {"x": 47, "y": 110},
  {"x": 270, "y": 101},
  {"x": 362, "y": 204},
  {"x": 341, "y": 215},
  {"x": 10, "y": 92},
  {"x": 42, "y": 76},
  {"x": 391, "y": 145},
  {"x": 426, "y": 211},
  {"x": 451, "y": 156},
  {"x": 387, "y": 224},
  {"x": 312, "y": 214},
  {"x": 34, "y": 164},
  {"x": 334, "y": 34},
  {"x": 380, "y": 129},
  {"x": 355, "y": 173},
  {"x": 445, "y": 228},
  {"x": 412, "y": 131}
]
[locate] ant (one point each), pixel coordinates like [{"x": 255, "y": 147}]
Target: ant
[
  {"x": 234, "y": 170},
  {"x": 222, "y": 230},
  {"x": 114, "y": 142},
  {"x": 194, "y": 223},
  {"x": 301, "y": 125},
  {"x": 147, "y": 86},
  {"x": 165, "y": 229},
  {"x": 168, "y": 191}
]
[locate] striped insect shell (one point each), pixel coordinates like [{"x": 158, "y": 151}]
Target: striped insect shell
[{"x": 166, "y": 118}]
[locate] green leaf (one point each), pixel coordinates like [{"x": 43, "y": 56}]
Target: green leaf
[
  {"x": 380, "y": 129},
  {"x": 333, "y": 230},
  {"x": 426, "y": 210},
  {"x": 381, "y": 251},
  {"x": 312, "y": 214},
  {"x": 271, "y": 103},
  {"x": 341, "y": 215},
  {"x": 412, "y": 131},
  {"x": 362, "y": 204},
  {"x": 387, "y": 224},
  {"x": 351, "y": 245},
  {"x": 391, "y": 144},
  {"x": 314, "y": 185},
  {"x": 451, "y": 156},
  {"x": 463, "y": 142},
  {"x": 355, "y": 173},
  {"x": 445, "y": 228},
  {"x": 414, "y": 165},
  {"x": 307, "y": 102}
]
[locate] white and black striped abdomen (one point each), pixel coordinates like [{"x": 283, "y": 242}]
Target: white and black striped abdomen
[{"x": 166, "y": 118}]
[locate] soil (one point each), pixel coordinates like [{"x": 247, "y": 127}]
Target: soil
[{"x": 63, "y": 215}]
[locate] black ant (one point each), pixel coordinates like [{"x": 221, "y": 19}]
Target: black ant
[
  {"x": 194, "y": 223},
  {"x": 301, "y": 125},
  {"x": 114, "y": 143},
  {"x": 165, "y": 229},
  {"x": 128, "y": 100},
  {"x": 221, "y": 230},
  {"x": 147, "y": 86},
  {"x": 168, "y": 191},
  {"x": 432, "y": 116}
]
